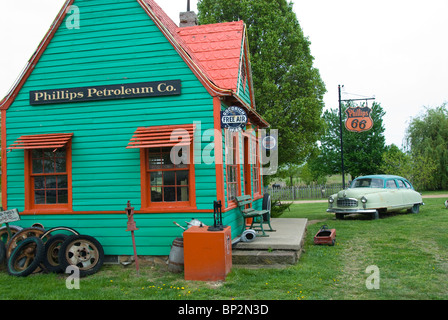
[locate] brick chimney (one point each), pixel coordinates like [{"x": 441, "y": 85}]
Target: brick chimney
[{"x": 188, "y": 19}]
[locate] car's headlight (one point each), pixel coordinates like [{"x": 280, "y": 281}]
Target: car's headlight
[
  {"x": 364, "y": 201},
  {"x": 330, "y": 200}
]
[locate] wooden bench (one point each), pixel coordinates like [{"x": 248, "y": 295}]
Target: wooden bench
[{"x": 258, "y": 216}]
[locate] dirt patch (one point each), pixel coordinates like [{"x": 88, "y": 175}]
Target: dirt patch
[
  {"x": 310, "y": 222},
  {"x": 436, "y": 196}
]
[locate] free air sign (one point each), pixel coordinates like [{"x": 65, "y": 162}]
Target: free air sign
[
  {"x": 233, "y": 118},
  {"x": 106, "y": 92}
]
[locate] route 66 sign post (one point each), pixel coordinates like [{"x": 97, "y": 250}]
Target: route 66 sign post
[{"x": 357, "y": 121}]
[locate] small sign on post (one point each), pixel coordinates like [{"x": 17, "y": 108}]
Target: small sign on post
[
  {"x": 132, "y": 227},
  {"x": 9, "y": 216}
]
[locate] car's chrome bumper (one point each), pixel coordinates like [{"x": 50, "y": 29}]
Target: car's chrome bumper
[{"x": 350, "y": 211}]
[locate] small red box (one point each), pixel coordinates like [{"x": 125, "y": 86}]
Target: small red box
[
  {"x": 207, "y": 254},
  {"x": 325, "y": 236}
]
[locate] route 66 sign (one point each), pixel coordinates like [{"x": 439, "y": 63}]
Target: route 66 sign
[{"x": 358, "y": 119}]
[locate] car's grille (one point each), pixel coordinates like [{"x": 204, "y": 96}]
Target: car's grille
[{"x": 347, "y": 202}]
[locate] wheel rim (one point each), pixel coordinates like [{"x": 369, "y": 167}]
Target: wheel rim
[
  {"x": 22, "y": 235},
  {"x": 25, "y": 257},
  {"x": 4, "y": 236},
  {"x": 53, "y": 252},
  {"x": 83, "y": 254},
  {"x": 59, "y": 229}
]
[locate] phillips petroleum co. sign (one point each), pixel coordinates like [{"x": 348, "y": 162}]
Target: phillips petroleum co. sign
[{"x": 106, "y": 92}]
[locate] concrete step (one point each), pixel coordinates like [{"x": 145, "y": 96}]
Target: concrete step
[
  {"x": 264, "y": 258},
  {"x": 281, "y": 248}
]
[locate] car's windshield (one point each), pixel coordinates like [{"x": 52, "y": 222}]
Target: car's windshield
[{"x": 367, "y": 183}]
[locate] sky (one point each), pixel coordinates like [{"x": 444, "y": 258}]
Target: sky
[{"x": 395, "y": 51}]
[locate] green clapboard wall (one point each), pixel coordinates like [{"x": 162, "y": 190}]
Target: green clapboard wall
[{"x": 116, "y": 43}]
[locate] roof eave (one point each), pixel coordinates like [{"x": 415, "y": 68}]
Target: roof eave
[
  {"x": 213, "y": 89},
  {"x": 6, "y": 102}
]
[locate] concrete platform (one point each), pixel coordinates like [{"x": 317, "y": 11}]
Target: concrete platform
[{"x": 282, "y": 247}]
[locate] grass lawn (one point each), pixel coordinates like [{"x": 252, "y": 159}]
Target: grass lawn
[{"x": 409, "y": 250}]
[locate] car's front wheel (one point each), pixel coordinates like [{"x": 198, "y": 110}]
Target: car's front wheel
[{"x": 415, "y": 208}]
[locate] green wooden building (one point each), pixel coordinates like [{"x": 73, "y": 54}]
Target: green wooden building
[{"x": 89, "y": 126}]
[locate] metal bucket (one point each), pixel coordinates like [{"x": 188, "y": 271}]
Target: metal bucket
[{"x": 176, "y": 258}]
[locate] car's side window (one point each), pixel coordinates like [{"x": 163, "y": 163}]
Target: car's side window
[
  {"x": 391, "y": 184},
  {"x": 408, "y": 185},
  {"x": 401, "y": 184}
]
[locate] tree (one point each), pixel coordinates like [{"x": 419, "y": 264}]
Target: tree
[
  {"x": 288, "y": 89},
  {"x": 422, "y": 172},
  {"x": 310, "y": 174},
  {"x": 289, "y": 171},
  {"x": 427, "y": 141},
  {"x": 362, "y": 151},
  {"x": 395, "y": 161}
]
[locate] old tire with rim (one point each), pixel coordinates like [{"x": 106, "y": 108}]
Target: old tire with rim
[
  {"x": 22, "y": 235},
  {"x": 82, "y": 251},
  {"x": 26, "y": 257},
  {"x": 51, "y": 256},
  {"x": 4, "y": 236},
  {"x": 2, "y": 252}
]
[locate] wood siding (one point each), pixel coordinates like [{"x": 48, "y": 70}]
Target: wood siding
[{"x": 117, "y": 43}]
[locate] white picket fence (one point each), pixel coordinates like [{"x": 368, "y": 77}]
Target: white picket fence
[{"x": 305, "y": 192}]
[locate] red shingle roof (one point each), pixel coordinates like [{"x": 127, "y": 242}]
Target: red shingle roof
[
  {"x": 215, "y": 48},
  {"x": 218, "y": 48}
]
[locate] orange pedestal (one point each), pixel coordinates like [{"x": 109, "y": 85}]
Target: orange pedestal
[{"x": 207, "y": 254}]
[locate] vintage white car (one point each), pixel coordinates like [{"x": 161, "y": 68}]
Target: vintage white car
[{"x": 375, "y": 194}]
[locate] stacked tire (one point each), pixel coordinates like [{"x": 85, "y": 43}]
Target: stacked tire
[
  {"x": 2, "y": 252},
  {"x": 32, "y": 249},
  {"x": 26, "y": 257},
  {"x": 82, "y": 251}
]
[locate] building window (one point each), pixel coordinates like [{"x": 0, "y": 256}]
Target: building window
[
  {"x": 49, "y": 178},
  {"x": 255, "y": 166},
  {"x": 232, "y": 167},
  {"x": 168, "y": 182},
  {"x": 167, "y": 168}
]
